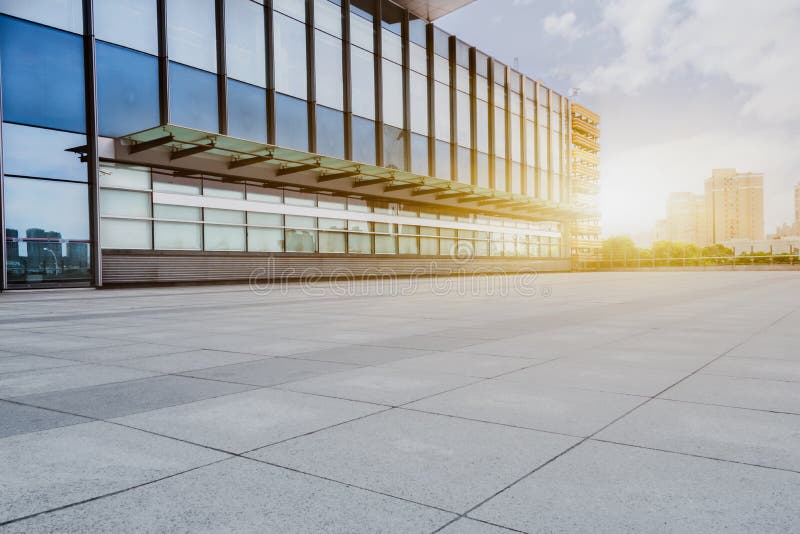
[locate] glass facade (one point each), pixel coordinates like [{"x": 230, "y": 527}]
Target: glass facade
[{"x": 386, "y": 88}]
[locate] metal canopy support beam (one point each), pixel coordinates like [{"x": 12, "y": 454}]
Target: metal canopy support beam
[
  {"x": 153, "y": 143},
  {"x": 337, "y": 176},
  {"x": 299, "y": 168},
  {"x": 191, "y": 151},
  {"x": 376, "y": 181},
  {"x": 456, "y": 194},
  {"x": 494, "y": 201},
  {"x": 472, "y": 199},
  {"x": 421, "y": 192},
  {"x": 399, "y": 187},
  {"x": 236, "y": 164}
]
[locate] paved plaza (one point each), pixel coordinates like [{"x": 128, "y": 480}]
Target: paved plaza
[{"x": 593, "y": 402}]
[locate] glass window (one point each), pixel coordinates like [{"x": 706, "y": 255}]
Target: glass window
[
  {"x": 464, "y": 131},
  {"x": 362, "y": 66},
  {"x": 392, "y": 94},
  {"x": 330, "y": 132},
  {"x": 481, "y": 88},
  {"x": 359, "y": 205},
  {"x": 128, "y": 176},
  {"x": 359, "y": 243},
  {"x": 247, "y": 111},
  {"x": 264, "y": 219},
  {"x": 516, "y": 177},
  {"x": 419, "y": 103},
  {"x": 499, "y": 131},
  {"x": 178, "y": 236},
  {"x": 64, "y": 14},
  {"x": 193, "y": 98},
  {"x": 462, "y": 79},
  {"x": 126, "y": 234},
  {"x": 530, "y": 142},
  {"x": 358, "y": 226},
  {"x": 118, "y": 203},
  {"x": 464, "y": 173},
  {"x": 41, "y": 153},
  {"x": 418, "y": 59},
  {"x": 441, "y": 70},
  {"x": 361, "y": 31},
  {"x": 328, "y": 17},
  {"x": 290, "y": 56},
  {"x": 212, "y": 188},
  {"x": 385, "y": 244},
  {"x": 417, "y": 30},
  {"x": 265, "y": 239},
  {"x": 175, "y": 184},
  {"x": 42, "y": 76},
  {"x": 407, "y": 245},
  {"x": 245, "y": 48},
  {"x": 363, "y": 140},
  {"x": 530, "y": 181},
  {"x": 177, "y": 213},
  {"x": 443, "y": 160},
  {"x": 192, "y": 33},
  {"x": 482, "y": 126},
  {"x": 394, "y": 148},
  {"x": 441, "y": 43},
  {"x": 218, "y": 237},
  {"x": 300, "y": 239},
  {"x": 419, "y": 154},
  {"x": 429, "y": 246},
  {"x": 543, "y": 149},
  {"x": 391, "y": 46},
  {"x": 291, "y": 119},
  {"x": 265, "y": 194},
  {"x": 330, "y": 202},
  {"x": 328, "y": 66},
  {"x": 516, "y": 138},
  {"x": 500, "y": 174},
  {"x": 127, "y": 90},
  {"x": 293, "y": 8},
  {"x": 332, "y": 242},
  {"x": 483, "y": 170},
  {"x": 442, "y": 111},
  {"x": 131, "y": 23},
  {"x": 47, "y": 230}
]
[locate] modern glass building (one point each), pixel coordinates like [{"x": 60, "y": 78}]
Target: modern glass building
[{"x": 148, "y": 141}]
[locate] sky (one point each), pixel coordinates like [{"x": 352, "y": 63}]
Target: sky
[{"x": 682, "y": 87}]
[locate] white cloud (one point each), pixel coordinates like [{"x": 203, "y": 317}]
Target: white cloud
[
  {"x": 754, "y": 44},
  {"x": 562, "y": 25}
]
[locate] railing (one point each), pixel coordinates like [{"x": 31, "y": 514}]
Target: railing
[{"x": 742, "y": 261}]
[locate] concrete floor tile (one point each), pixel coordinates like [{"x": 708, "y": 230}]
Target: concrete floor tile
[
  {"x": 470, "y": 526},
  {"x": 380, "y": 385},
  {"x": 430, "y": 459},
  {"x": 19, "y": 419},
  {"x": 245, "y": 421},
  {"x": 564, "y": 410},
  {"x": 192, "y": 360},
  {"x": 362, "y": 354},
  {"x": 52, "y": 468},
  {"x": 761, "y": 438},
  {"x": 786, "y": 370},
  {"x": 62, "y": 378},
  {"x": 248, "y": 496},
  {"x": 461, "y": 363},
  {"x": 757, "y": 394},
  {"x": 133, "y": 396},
  {"x": 121, "y": 352},
  {"x": 28, "y": 362},
  {"x": 270, "y": 371},
  {"x": 605, "y": 488}
]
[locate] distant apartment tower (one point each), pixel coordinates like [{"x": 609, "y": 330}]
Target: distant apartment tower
[
  {"x": 686, "y": 220},
  {"x": 734, "y": 205},
  {"x": 585, "y": 181}
]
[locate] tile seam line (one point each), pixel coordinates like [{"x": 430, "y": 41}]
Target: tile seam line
[{"x": 615, "y": 420}]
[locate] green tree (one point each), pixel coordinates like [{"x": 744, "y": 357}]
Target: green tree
[{"x": 618, "y": 248}]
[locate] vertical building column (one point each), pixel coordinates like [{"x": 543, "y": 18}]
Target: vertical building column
[
  {"x": 378, "y": 55},
  {"x": 3, "y": 258},
  {"x": 451, "y": 47},
  {"x": 311, "y": 78},
  {"x": 490, "y": 80},
  {"x": 429, "y": 63},
  {"x": 222, "y": 70},
  {"x": 347, "y": 92},
  {"x": 547, "y": 144},
  {"x": 90, "y": 89},
  {"x": 269, "y": 42},
  {"x": 523, "y": 138},
  {"x": 163, "y": 63},
  {"x": 507, "y": 99},
  {"x": 473, "y": 113},
  {"x": 406, "y": 70},
  {"x": 536, "y": 142}
]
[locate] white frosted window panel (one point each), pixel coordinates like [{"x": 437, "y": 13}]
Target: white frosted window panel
[
  {"x": 224, "y": 238},
  {"x": 192, "y": 33},
  {"x": 63, "y": 14},
  {"x": 125, "y": 234},
  {"x": 245, "y": 48},
  {"x": 178, "y": 236},
  {"x": 124, "y": 176},
  {"x": 131, "y": 23},
  {"x": 119, "y": 203}
]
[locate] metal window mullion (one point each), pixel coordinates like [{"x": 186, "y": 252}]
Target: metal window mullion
[
  {"x": 347, "y": 92},
  {"x": 523, "y": 174},
  {"x": 548, "y": 147},
  {"x": 473, "y": 111},
  {"x": 536, "y": 142},
  {"x": 269, "y": 42},
  {"x": 451, "y": 48},
  {"x": 311, "y": 79},
  {"x": 222, "y": 70},
  {"x": 92, "y": 164},
  {"x": 507, "y": 100},
  {"x": 404, "y": 37},
  {"x": 378, "y": 57},
  {"x": 163, "y": 63},
  {"x": 429, "y": 60}
]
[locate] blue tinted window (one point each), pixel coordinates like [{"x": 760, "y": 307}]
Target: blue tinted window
[
  {"x": 42, "y": 76},
  {"x": 193, "y": 98},
  {"x": 291, "y": 121},
  {"x": 394, "y": 148},
  {"x": 42, "y": 153},
  {"x": 330, "y": 132},
  {"x": 419, "y": 154},
  {"x": 247, "y": 111},
  {"x": 443, "y": 160},
  {"x": 47, "y": 230},
  {"x": 363, "y": 140},
  {"x": 127, "y": 90}
]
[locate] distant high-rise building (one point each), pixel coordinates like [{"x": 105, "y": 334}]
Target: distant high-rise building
[
  {"x": 686, "y": 220},
  {"x": 585, "y": 180},
  {"x": 734, "y": 205}
]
